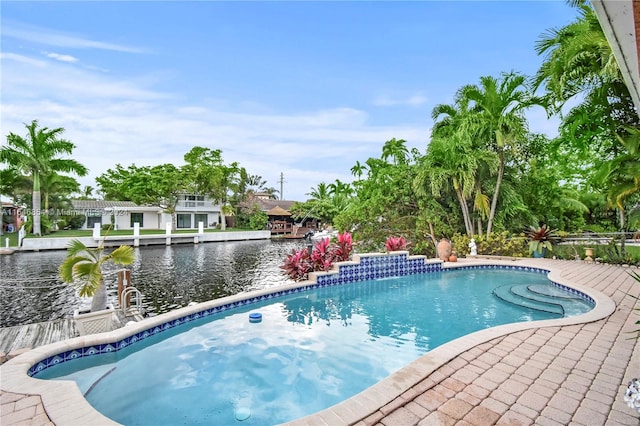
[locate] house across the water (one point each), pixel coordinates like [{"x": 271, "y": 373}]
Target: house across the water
[{"x": 190, "y": 210}]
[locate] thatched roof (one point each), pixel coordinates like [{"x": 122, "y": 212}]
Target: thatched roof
[{"x": 278, "y": 211}]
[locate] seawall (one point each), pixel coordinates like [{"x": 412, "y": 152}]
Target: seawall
[{"x": 37, "y": 244}]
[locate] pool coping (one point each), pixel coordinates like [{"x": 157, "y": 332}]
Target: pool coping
[{"x": 57, "y": 396}]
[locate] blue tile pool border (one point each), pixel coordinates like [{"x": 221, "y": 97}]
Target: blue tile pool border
[{"x": 365, "y": 268}]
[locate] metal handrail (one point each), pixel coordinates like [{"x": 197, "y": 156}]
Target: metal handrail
[{"x": 125, "y": 293}]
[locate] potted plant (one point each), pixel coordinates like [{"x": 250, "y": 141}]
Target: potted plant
[
  {"x": 541, "y": 239},
  {"x": 83, "y": 266}
]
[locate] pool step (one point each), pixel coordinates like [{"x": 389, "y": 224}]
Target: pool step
[{"x": 520, "y": 295}]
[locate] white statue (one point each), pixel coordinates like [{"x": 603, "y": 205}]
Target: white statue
[{"x": 473, "y": 247}]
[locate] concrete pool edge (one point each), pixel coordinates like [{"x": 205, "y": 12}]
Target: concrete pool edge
[{"x": 57, "y": 398}]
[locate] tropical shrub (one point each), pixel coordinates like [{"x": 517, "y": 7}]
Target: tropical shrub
[
  {"x": 75, "y": 221},
  {"x": 322, "y": 255},
  {"x": 300, "y": 263},
  {"x": 83, "y": 266},
  {"x": 541, "y": 238},
  {"x": 46, "y": 224},
  {"x": 343, "y": 247},
  {"x": 395, "y": 244},
  {"x": 497, "y": 244},
  {"x": 258, "y": 220}
]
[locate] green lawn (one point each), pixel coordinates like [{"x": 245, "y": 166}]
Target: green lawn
[{"x": 13, "y": 239}]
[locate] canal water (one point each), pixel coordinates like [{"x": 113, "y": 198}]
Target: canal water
[{"x": 169, "y": 277}]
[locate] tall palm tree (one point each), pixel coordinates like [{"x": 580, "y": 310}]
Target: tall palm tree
[
  {"x": 38, "y": 154},
  {"x": 395, "y": 149},
  {"x": 498, "y": 105},
  {"x": 455, "y": 122},
  {"x": 453, "y": 160},
  {"x": 83, "y": 265}
]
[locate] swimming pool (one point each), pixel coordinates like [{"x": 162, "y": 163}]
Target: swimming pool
[{"x": 312, "y": 349}]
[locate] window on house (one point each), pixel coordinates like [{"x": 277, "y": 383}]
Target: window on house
[
  {"x": 201, "y": 217},
  {"x": 137, "y": 217},
  {"x": 194, "y": 201},
  {"x": 92, "y": 220},
  {"x": 184, "y": 220}
]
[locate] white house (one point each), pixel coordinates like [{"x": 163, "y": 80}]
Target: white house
[
  {"x": 190, "y": 210},
  {"x": 122, "y": 214}
]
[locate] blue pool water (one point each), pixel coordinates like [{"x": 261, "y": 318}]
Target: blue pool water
[{"x": 309, "y": 351}]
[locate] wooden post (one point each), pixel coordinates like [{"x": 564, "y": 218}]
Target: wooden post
[{"x": 124, "y": 281}]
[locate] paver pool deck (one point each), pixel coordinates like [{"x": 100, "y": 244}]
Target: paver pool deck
[{"x": 556, "y": 372}]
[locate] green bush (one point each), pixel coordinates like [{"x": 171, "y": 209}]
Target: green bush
[
  {"x": 73, "y": 221},
  {"x": 46, "y": 224},
  {"x": 498, "y": 244},
  {"x": 258, "y": 220}
]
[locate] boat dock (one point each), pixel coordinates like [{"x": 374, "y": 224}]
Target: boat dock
[{"x": 20, "y": 338}]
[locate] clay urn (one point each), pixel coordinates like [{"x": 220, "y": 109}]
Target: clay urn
[{"x": 444, "y": 249}]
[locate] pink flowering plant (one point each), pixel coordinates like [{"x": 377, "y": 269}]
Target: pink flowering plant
[
  {"x": 300, "y": 263},
  {"x": 322, "y": 255},
  {"x": 395, "y": 244},
  {"x": 343, "y": 248}
]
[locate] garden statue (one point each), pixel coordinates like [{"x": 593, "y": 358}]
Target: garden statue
[{"x": 473, "y": 248}]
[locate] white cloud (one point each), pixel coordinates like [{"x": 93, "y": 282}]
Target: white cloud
[
  {"x": 48, "y": 37},
  {"x": 116, "y": 120},
  {"x": 415, "y": 100},
  {"x": 61, "y": 58}
]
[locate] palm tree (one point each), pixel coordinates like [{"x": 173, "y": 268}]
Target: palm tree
[
  {"x": 54, "y": 184},
  {"x": 621, "y": 175},
  {"x": 320, "y": 192},
  {"x": 83, "y": 265},
  {"x": 87, "y": 192},
  {"x": 498, "y": 106},
  {"x": 578, "y": 58},
  {"x": 455, "y": 122},
  {"x": 395, "y": 149},
  {"x": 38, "y": 155},
  {"x": 358, "y": 169},
  {"x": 453, "y": 161}
]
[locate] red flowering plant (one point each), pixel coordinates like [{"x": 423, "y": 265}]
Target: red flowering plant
[
  {"x": 343, "y": 248},
  {"x": 324, "y": 253},
  {"x": 395, "y": 244},
  {"x": 298, "y": 265}
]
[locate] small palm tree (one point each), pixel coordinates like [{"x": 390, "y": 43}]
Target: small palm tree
[{"x": 83, "y": 265}]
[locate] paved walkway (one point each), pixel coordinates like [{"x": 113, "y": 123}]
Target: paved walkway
[{"x": 559, "y": 375}]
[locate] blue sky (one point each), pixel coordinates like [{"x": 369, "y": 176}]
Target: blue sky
[{"x": 300, "y": 88}]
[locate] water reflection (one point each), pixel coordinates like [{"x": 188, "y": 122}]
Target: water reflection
[
  {"x": 425, "y": 309},
  {"x": 168, "y": 276}
]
